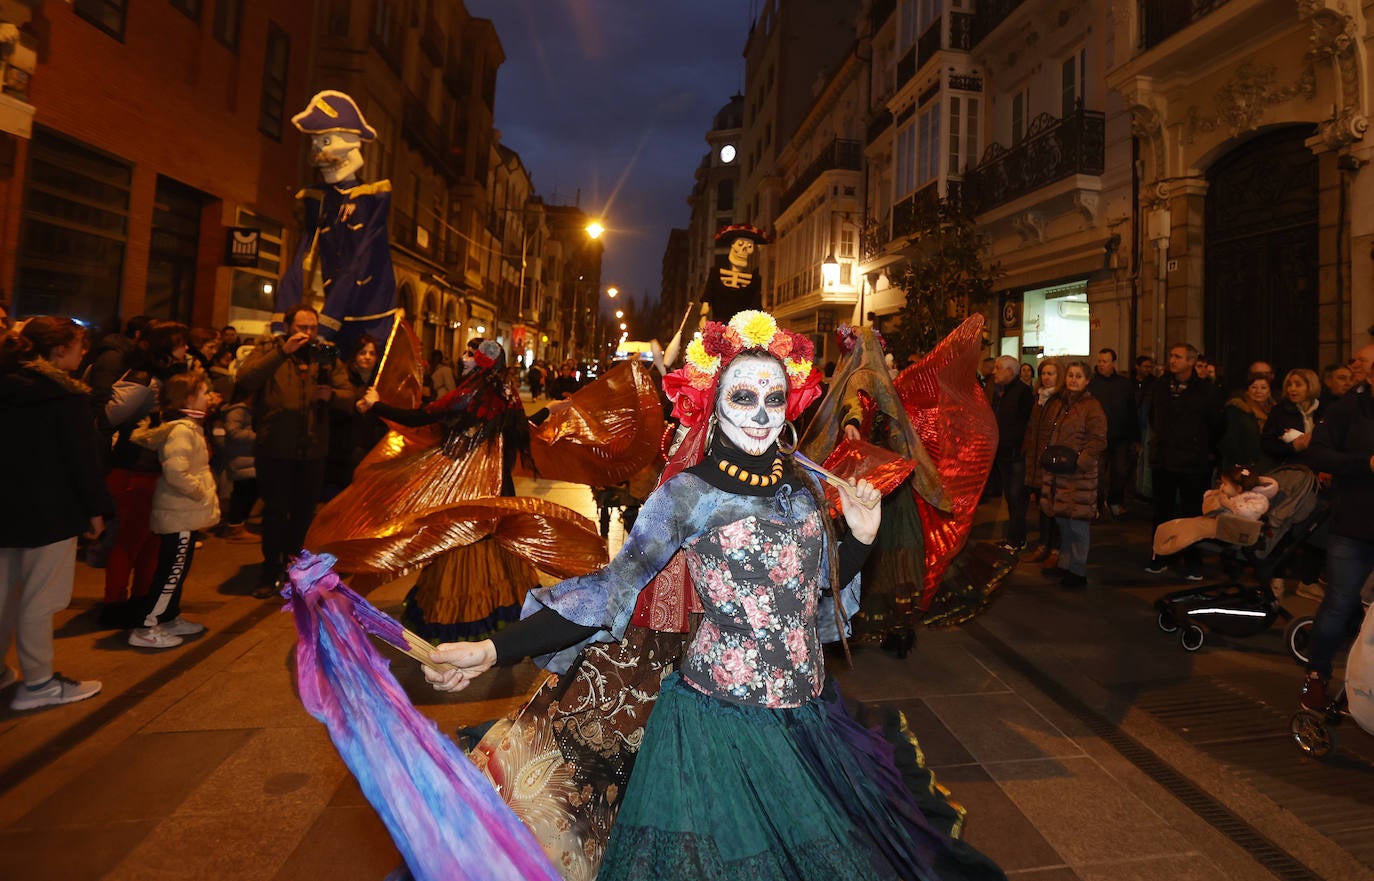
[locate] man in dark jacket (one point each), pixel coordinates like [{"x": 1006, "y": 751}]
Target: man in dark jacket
[
  {"x": 294, "y": 381},
  {"x": 1012, "y": 401},
  {"x": 1185, "y": 422},
  {"x": 1116, "y": 394},
  {"x": 1343, "y": 445}
]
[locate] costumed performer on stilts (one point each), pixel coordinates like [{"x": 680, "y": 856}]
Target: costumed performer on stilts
[{"x": 749, "y": 766}]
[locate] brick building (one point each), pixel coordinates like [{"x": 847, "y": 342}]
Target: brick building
[{"x": 157, "y": 128}]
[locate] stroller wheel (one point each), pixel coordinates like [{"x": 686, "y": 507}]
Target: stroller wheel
[
  {"x": 1166, "y": 622},
  {"x": 1192, "y": 637},
  {"x": 1297, "y": 636},
  {"x": 1311, "y": 734}
]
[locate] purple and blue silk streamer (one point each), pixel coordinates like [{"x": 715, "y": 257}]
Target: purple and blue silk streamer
[{"x": 445, "y": 817}]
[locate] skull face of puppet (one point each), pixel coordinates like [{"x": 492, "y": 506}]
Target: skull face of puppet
[
  {"x": 752, "y": 404},
  {"x": 740, "y": 249},
  {"x": 336, "y": 155}
]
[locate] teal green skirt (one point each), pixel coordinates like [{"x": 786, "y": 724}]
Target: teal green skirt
[{"x": 728, "y": 791}]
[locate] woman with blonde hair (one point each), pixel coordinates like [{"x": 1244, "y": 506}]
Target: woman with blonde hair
[
  {"x": 1288, "y": 430},
  {"x": 1049, "y": 382}
]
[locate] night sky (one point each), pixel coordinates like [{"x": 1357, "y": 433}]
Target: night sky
[{"x": 614, "y": 98}]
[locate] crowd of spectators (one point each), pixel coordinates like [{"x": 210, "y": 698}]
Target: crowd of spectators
[{"x": 1162, "y": 436}]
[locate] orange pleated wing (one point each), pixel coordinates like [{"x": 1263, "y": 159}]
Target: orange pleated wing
[{"x": 612, "y": 430}]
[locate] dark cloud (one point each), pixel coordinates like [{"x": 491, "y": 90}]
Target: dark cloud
[{"x": 612, "y": 98}]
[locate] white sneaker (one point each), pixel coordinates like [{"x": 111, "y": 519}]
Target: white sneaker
[
  {"x": 57, "y": 690},
  {"x": 153, "y": 638},
  {"x": 179, "y": 626}
]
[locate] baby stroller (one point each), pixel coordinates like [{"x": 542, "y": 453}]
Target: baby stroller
[
  {"x": 1241, "y": 610},
  {"x": 1355, "y": 698}
]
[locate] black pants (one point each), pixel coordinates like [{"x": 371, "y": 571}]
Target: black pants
[
  {"x": 1179, "y": 494},
  {"x": 1114, "y": 469},
  {"x": 1012, "y": 473},
  {"x": 162, "y": 602},
  {"x": 290, "y": 489},
  {"x": 241, "y": 501}
]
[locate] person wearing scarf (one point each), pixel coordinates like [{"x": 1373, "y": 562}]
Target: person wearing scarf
[
  {"x": 1246, "y": 414},
  {"x": 748, "y": 766}
]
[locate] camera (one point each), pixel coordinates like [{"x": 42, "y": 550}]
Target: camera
[{"x": 324, "y": 355}]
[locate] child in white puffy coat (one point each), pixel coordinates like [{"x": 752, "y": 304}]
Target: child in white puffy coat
[{"x": 185, "y": 500}]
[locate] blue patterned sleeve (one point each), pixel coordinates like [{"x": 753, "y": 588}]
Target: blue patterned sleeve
[
  {"x": 605, "y": 599},
  {"x": 826, "y": 628}
]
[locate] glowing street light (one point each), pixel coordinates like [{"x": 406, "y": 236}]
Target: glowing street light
[
  {"x": 830, "y": 270},
  {"x": 619, "y": 313},
  {"x": 622, "y": 325},
  {"x": 612, "y": 292},
  {"x": 595, "y": 229}
]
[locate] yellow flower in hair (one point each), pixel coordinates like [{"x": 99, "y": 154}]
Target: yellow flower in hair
[
  {"x": 799, "y": 368},
  {"x": 755, "y": 328},
  {"x": 698, "y": 357}
]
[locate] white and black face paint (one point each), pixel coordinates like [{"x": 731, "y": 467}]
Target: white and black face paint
[{"x": 752, "y": 404}]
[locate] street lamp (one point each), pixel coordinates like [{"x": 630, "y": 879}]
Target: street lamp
[
  {"x": 612, "y": 292},
  {"x": 595, "y": 229},
  {"x": 830, "y": 270}
]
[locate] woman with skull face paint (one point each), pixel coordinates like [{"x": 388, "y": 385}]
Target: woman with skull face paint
[{"x": 748, "y": 765}]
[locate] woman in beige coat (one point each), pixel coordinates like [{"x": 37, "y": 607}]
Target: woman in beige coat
[{"x": 185, "y": 500}]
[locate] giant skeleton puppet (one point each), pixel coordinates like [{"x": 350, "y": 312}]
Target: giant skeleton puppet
[
  {"x": 732, "y": 286},
  {"x": 344, "y": 250}
]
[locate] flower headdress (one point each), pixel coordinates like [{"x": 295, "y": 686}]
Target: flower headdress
[
  {"x": 848, "y": 338},
  {"x": 692, "y": 388}
]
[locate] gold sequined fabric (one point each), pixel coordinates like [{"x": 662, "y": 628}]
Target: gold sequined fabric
[{"x": 612, "y": 430}]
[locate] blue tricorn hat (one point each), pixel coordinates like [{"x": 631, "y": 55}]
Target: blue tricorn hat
[{"x": 331, "y": 111}]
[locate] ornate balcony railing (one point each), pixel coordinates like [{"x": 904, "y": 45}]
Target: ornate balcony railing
[
  {"x": 959, "y": 36},
  {"x": 1052, "y": 150},
  {"x": 1161, "y": 19},
  {"x": 841, "y": 154},
  {"x": 918, "y": 212},
  {"x": 990, "y": 14}
]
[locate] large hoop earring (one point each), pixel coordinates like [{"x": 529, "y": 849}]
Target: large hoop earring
[
  {"x": 792, "y": 448},
  {"x": 710, "y": 433}
]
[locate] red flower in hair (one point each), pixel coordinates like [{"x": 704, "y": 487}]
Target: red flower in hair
[
  {"x": 691, "y": 405},
  {"x": 801, "y": 394}
]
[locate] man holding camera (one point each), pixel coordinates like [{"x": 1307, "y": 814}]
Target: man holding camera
[{"x": 294, "y": 379}]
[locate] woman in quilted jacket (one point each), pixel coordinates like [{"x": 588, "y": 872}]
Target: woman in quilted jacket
[
  {"x": 1079, "y": 422},
  {"x": 186, "y": 499}
]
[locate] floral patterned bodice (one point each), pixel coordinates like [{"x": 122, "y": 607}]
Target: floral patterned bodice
[
  {"x": 757, "y": 563},
  {"x": 758, "y": 583}
]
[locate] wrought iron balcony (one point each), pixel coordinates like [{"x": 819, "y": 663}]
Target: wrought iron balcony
[
  {"x": 990, "y": 14},
  {"x": 918, "y": 212},
  {"x": 1052, "y": 150},
  {"x": 1161, "y": 19},
  {"x": 841, "y": 154}
]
